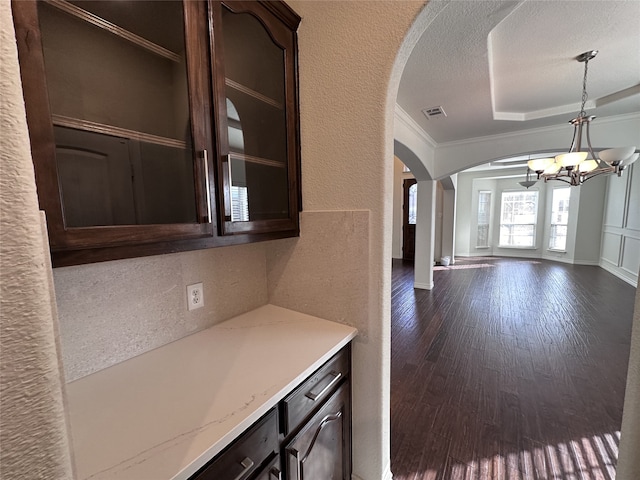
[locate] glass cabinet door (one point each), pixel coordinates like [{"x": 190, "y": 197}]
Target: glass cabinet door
[
  {"x": 124, "y": 161},
  {"x": 256, "y": 131}
]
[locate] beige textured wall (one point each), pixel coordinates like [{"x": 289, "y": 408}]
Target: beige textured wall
[
  {"x": 113, "y": 311},
  {"x": 629, "y": 456},
  {"x": 299, "y": 269},
  {"x": 33, "y": 433},
  {"x": 350, "y": 67}
]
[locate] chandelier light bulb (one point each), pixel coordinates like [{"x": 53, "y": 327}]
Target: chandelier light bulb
[
  {"x": 588, "y": 166},
  {"x": 619, "y": 154},
  {"x": 552, "y": 169},
  {"x": 539, "y": 164},
  {"x": 571, "y": 159}
]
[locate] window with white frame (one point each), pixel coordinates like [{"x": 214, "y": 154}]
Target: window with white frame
[
  {"x": 518, "y": 218},
  {"x": 559, "y": 218},
  {"x": 484, "y": 215}
]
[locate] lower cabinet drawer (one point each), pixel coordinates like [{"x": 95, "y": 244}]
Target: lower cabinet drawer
[
  {"x": 246, "y": 455},
  {"x": 315, "y": 390}
]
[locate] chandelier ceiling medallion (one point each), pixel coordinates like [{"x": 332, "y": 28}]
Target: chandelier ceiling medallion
[{"x": 579, "y": 165}]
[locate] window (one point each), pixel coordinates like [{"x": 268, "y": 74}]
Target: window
[
  {"x": 559, "y": 218},
  {"x": 239, "y": 204},
  {"x": 484, "y": 206},
  {"x": 413, "y": 203},
  {"x": 518, "y": 215}
]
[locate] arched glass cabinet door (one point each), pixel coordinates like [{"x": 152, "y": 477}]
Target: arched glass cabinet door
[{"x": 257, "y": 117}]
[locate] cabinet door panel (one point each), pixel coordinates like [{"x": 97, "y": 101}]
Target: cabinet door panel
[
  {"x": 95, "y": 173},
  {"x": 322, "y": 450},
  {"x": 133, "y": 78},
  {"x": 111, "y": 76},
  {"x": 257, "y": 119}
]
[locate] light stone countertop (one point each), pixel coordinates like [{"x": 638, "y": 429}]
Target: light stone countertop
[{"x": 164, "y": 414}]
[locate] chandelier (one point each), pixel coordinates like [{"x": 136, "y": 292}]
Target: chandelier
[
  {"x": 528, "y": 182},
  {"x": 578, "y": 165}
]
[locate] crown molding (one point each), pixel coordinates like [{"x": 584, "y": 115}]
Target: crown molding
[
  {"x": 535, "y": 131},
  {"x": 563, "y": 109},
  {"x": 405, "y": 119},
  {"x": 544, "y": 113}
]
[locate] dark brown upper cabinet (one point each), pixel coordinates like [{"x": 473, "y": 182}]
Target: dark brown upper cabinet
[
  {"x": 256, "y": 106},
  {"x": 160, "y": 126}
]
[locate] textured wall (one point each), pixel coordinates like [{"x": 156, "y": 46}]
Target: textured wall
[
  {"x": 112, "y": 311},
  {"x": 331, "y": 256},
  {"x": 33, "y": 432},
  {"x": 351, "y": 58}
]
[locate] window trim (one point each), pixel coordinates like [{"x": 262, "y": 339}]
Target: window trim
[
  {"x": 488, "y": 224},
  {"x": 551, "y": 224}
]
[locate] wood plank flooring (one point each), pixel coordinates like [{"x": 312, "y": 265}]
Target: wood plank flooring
[{"x": 509, "y": 369}]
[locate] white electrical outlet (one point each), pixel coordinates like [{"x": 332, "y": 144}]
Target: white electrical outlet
[{"x": 195, "y": 296}]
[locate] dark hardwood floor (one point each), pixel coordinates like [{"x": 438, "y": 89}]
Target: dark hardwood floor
[{"x": 508, "y": 369}]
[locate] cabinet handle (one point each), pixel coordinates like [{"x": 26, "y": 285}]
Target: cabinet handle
[
  {"x": 325, "y": 421},
  {"x": 275, "y": 473},
  {"x": 314, "y": 396},
  {"x": 247, "y": 463},
  {"x": 205, "y": 159},
  {"x": 296, "y": 454},
  {"x": 227, "y": 194}
]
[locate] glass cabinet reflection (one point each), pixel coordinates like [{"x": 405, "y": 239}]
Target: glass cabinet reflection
[
  {"x": 118, "y": 94},
  {"x": 256, "y": 163}
]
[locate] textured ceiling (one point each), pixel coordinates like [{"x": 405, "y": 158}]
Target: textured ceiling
[{"x": 502, "y": 66}]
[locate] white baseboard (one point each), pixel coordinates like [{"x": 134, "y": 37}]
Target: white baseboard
[
  {"x": 423, "y": 286},
  {"x": 386, "y": 475},
  {"x": 618, "y": 272}
]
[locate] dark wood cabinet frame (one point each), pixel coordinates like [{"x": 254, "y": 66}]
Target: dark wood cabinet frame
[
  {"x": 71, "y": 246},
  {"x": 281, "y": 23}
]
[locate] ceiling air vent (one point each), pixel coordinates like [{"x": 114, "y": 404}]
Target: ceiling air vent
[{"x": 434, "y": 112}]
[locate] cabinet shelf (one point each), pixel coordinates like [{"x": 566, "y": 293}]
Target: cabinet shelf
[
  {"x": 95, "y": 127},
  {"x": 99, "y": 22},
  {"x": 257, "y": 160},
  {"x": 257, "y": 95}
]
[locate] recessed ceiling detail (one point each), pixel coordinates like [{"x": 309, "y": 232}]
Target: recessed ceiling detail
[
  {"x": 504, "y": 66},
  {"x": 531, "y": 74}
]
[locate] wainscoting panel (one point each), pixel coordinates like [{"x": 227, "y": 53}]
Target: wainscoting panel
[
  {"x": 633, "y": 211},
  {"x": 616, "y": 193},
  {"x": 631, "y": 256},
  {"x": 620, "y": 249},
  {"x": 611, "y": 243}
]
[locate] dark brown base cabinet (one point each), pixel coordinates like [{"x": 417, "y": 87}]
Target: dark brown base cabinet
[{"x": 307, "y": 436}]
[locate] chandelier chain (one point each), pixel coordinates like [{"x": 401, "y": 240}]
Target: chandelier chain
[{"x": 584, "y": 89}]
